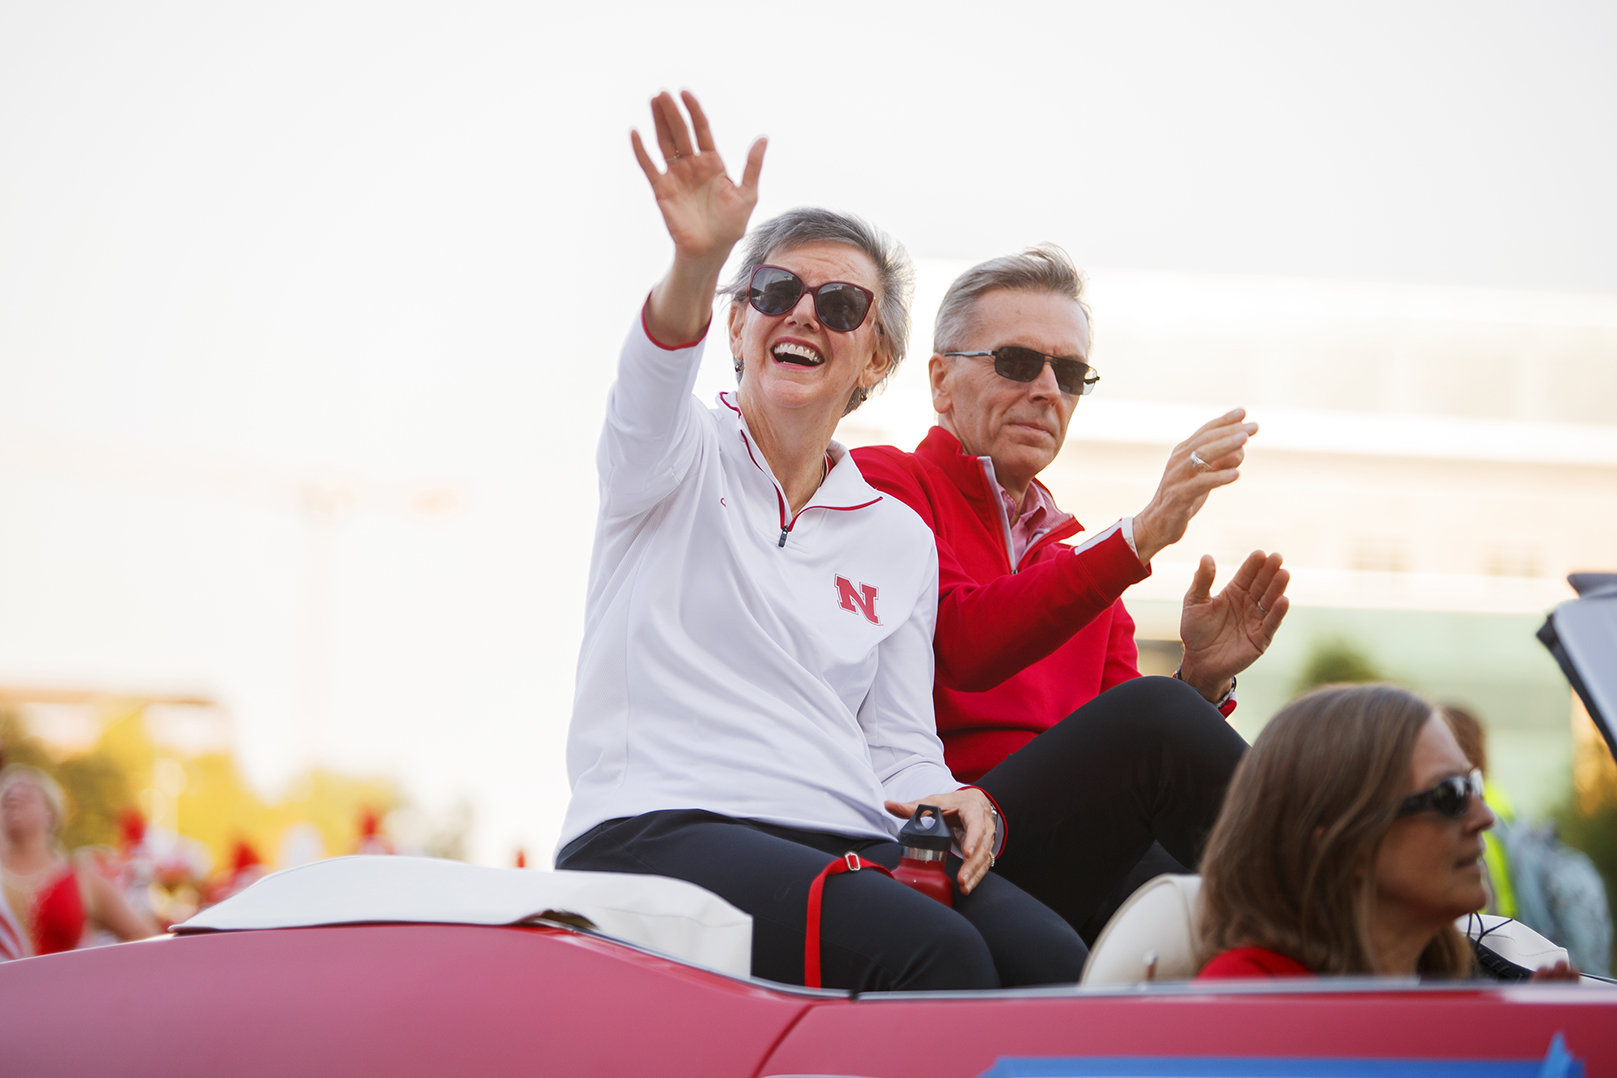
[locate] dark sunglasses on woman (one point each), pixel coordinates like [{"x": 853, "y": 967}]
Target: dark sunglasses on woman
[
  {"x": 1074, "y": 376},
  {"x": 1450, "y": 799},
  {"x": 840, "y": 305}
]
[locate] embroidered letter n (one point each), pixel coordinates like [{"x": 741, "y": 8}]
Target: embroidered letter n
[{"x": 862, "y": 600}]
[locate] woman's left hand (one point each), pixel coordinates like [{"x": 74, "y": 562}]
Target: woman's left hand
[{"x": 970, "y": 815}]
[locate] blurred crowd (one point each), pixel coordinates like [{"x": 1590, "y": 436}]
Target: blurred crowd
[
  {"x": 58, "y": 899},
  {"x": 151, "y": 878}
]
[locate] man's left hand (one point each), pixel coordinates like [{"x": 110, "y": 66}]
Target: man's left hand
[
  {"x": 970, "y": 815},
  {"x": 1225, "y": 633}
]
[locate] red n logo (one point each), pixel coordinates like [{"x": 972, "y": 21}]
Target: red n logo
[{"x": 863, "y": 600}]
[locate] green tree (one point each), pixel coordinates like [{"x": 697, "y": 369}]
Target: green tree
[
  {"x": 16, "y": 747},
  {"x": 1590, "y": 825},
  {"x": 98, "y": 790},
  {"x": 1334, "y": 662}
]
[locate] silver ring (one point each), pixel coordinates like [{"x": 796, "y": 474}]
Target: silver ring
[
  {"x": 1197, "y": 462},
  {"x": 1261, "y": 608}
]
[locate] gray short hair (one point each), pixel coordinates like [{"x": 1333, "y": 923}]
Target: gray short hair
[
  {"x": 1041, "y": 268},
  {"x": 895, "y": 274}
]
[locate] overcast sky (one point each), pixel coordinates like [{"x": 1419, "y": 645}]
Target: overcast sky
[{"x": 397, "y": 244}]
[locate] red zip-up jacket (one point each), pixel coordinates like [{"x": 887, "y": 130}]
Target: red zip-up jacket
[{"x": 1019, "y": 647}]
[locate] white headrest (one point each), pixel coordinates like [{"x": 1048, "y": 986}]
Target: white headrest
[
  {"x": 668, "y": 915},
  {"x": 1152, "y": 936}
]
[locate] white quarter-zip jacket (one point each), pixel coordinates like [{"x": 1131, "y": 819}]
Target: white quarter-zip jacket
[{"x": 738, "y": 658}]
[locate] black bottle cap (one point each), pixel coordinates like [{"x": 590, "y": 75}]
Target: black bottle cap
[{"x": 926, "y": 830}]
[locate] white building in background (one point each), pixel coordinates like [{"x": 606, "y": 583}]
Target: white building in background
[{"x": 1432, "y": 462}]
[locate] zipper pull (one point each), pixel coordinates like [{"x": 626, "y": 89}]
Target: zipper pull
[{"x": 784, "y": 532}]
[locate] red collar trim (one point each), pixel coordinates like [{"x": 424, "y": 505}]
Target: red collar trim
[{"x": 788, "y": 523}]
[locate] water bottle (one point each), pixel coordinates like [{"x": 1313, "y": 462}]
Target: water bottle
[{"x": 926, "y": 841}]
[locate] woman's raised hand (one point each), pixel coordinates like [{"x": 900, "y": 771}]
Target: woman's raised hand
[{"x": 705, "y": 213}]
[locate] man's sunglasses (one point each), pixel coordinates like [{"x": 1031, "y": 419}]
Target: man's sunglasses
[
  {"x": 1450, "y": 799},
  {"x": 840, "y": 305},
  {"x": 1019, "y": 364}
]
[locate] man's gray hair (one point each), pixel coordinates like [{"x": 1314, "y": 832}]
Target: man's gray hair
[
  {"x": 895, "y": 274},
  {"x": 1041, "y": 268}
]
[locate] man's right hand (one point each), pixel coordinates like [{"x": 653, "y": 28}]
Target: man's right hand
[
  {"x": 1220, "y": 446},
  {"x": 705, "y": 213}
]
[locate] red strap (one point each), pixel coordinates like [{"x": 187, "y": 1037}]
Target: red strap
[{"x": 848, "y": 862}]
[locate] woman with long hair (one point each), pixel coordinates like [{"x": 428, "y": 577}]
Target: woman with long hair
[
  {"x": 1349, "y": 842},
  {"x": 54, "y": 894}
]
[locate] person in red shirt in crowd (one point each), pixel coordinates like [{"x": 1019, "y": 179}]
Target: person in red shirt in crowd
[
  {"x": 1350, "y": 842},
  {"x": 246, "y": 868},
  {"x": 1038, "y": 695},
  {"x": 55, "y": 895},
  {"x": 371, "y": 839}
]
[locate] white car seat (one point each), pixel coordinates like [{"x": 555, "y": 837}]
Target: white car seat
[
  {"x": 1153, "y": 937},
  {"x": 672, "y": 916}
]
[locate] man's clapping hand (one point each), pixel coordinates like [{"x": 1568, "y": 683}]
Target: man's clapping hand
[
  {"x": 1225, "y": 633},
  {"x": 1208, "y": 459}
]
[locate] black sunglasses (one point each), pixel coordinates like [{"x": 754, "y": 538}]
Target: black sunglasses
[
  {"x": 840, "y": 305},
  {"x": 1450, "y": 798},
  {"x": 1019, "y": 364}
]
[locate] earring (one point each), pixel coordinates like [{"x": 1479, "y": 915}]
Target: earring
[{"x": 736, "y": 360}]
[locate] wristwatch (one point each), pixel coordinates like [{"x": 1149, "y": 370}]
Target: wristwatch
[{"x": 1222, "y": 700}]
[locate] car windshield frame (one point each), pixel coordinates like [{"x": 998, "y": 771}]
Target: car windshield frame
[{"x": 1582, "y": 635}]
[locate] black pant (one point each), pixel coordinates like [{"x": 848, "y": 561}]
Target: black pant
[
  {"x": 875, "y": 933},
  {"x": 1144, "y": 763}
]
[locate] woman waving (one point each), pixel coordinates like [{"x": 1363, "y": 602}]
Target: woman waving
[{"x": 755, "y": 684}]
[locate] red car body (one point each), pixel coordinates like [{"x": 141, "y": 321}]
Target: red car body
[{"x": 412, "y": 999}]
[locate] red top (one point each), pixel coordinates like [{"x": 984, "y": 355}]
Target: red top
[
  {"x": 1018, "y": 648},
  {"x": 1252, "y": 962},
  {"x": 58, "y": 914}
]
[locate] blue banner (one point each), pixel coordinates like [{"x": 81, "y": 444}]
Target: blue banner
[{"x": 1557, "y": 1063}]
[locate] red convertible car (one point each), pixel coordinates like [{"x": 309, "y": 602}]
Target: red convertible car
[
  {"x": 406, "y": 999},
  {"x": 402, "y": 967}
]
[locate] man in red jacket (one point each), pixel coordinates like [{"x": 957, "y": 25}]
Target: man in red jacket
[{"x": 1038, "y": 695}]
